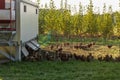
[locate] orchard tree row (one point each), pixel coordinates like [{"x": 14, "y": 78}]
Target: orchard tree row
[{"x": 83, "y": 23}]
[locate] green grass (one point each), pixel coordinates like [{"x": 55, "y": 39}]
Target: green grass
[
  {"x": 45, "y": 40},
  {"x": 56, "y": 70}
]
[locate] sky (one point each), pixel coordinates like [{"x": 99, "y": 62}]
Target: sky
[{"x": 96, "y": 3}]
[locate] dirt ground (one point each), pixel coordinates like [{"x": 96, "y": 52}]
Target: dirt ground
[{"x": 95, "y": 50}]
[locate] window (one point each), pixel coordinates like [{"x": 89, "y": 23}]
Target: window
[
  {"x": 25, "y": 8},
  {"x": 36, "y": 11}
]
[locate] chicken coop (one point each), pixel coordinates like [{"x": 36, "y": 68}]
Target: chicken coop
[{"x": 18, "y": 29}]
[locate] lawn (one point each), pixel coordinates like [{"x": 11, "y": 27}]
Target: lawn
[{"x": 56, "y": 70}]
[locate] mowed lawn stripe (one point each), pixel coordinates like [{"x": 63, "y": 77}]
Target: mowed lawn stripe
[{"x": 56, "y": 70}]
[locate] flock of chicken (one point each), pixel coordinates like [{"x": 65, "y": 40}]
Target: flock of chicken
[{"x": 57, "y": 52}]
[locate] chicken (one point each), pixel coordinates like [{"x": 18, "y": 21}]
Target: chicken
[
  {"x": 93, "y": 43},
  {"x": 66, "y": 44},
  {"x": 43, "y": 54},
  {"x": 76, "y": 47},
  {"x": 100, "y": 58},
  {"x": 60, "y": 49},
  {"x": 109, "y": 46},
  {"x": 77, "y": 57},
  {"x": 89, "y": 57},
  {"x": 89, "y": 45},
  {"x": 51, "y": 47},
  {"x": 70, "y": 55},
  {"x": 49, "y": 57},
  {"x": 84, "y": 47},
  {"x": 108, "y": 58},
  {"x": 83, "y": 58},
  {"x": 117, "y": 59},
  {"x": 64, "y": 57}
]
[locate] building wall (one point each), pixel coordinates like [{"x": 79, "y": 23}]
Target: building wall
[{"x": 28, "y": 22}]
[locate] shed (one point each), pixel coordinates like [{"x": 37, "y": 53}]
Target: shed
[{"x": 18, "y": 28}]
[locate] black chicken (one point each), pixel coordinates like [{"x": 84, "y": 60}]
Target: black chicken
[
  {"x": 90, "y": 57},
  {"x": 64, "y": 57},
  {"x": 109, "y": 46}
]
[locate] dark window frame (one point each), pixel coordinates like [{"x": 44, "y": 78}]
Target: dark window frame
[
  {"x": 25, "y": 8},
  {"x": 36, "y": 11}
]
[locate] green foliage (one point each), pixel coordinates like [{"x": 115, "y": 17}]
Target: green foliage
[
  {"x": 42, "y": 22},
  {"x": 45, "y": 40},
  {"x": 62, "y": 22}
]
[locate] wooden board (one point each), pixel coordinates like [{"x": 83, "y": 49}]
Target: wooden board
[{"x": 2, "y": 4}]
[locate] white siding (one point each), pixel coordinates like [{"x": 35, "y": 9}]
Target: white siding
[{"x": 28, "y": 22}]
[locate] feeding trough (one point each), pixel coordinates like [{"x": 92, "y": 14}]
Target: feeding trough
[{"x": 18, "y": 28}]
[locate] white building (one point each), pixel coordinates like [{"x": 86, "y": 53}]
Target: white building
[{"x": 18, "y": 27}]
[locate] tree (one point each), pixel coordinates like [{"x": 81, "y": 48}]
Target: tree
[
  {"x": 61, "y": 4},
  {"x": 77, "y": 21},
  {"x": 66, "y": 4},
  {"x": 38, "y": 1},
  {"x": 42, "y": 22},
  {"x": 107, "y": 25},
  {"x": 46, "y": 6},
  {"x": 50, "y": 18},
  {"x": 117, "y": 24},
  {"x": 90, "y": 20}
]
